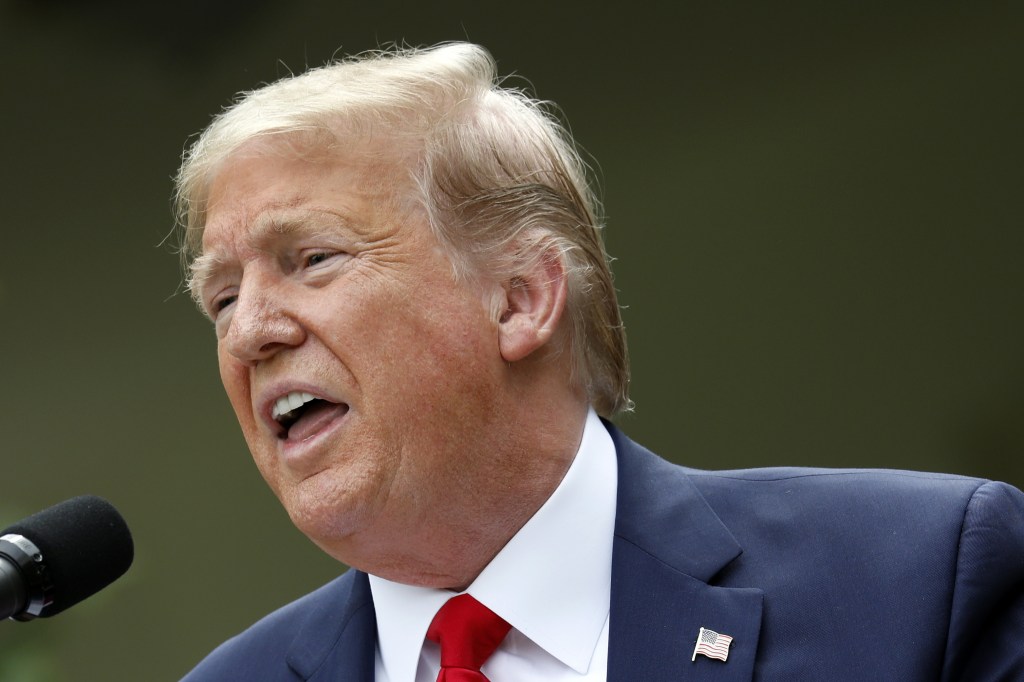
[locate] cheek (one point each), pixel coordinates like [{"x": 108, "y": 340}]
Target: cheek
[
  {"x": 436, "y": 351},
  {"x": 235, "y": 379},
  {"x": 444, "y": 366}
]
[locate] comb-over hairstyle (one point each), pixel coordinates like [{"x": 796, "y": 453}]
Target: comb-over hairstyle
[{"x": 497, "y": 176}]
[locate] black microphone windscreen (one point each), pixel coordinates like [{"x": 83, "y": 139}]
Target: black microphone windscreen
[{"x": 85, "y": 545}]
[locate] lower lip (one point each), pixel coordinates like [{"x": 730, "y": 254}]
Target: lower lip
[{"x": 300, "y": 452}]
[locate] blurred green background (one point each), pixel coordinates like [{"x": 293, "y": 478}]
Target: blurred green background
[{"x": 815, "y": 210}]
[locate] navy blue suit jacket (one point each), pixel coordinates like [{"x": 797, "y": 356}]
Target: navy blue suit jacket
[{"x": 815, "y": 574}]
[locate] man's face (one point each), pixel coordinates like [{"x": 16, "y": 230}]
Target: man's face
[{"x": 331, "y": 294}]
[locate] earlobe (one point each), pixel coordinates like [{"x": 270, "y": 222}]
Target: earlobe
[{"x": 534, "y": 304}]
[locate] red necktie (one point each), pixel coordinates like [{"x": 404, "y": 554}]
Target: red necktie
[{"x": 468, "y": 633}]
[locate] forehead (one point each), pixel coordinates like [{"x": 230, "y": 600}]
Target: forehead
[{"x": 264, "y": 191}]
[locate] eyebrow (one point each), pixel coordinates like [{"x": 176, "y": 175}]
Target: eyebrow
[
  {"x": 289, "y": 221},
  {"x": 200, "y": 270},
  {"x": 269, "y": 224}
]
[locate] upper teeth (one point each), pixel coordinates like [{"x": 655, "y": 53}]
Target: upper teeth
[{"x": 287, "y": 403}]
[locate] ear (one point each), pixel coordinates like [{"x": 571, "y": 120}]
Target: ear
[{"x": 534, "y": 303}]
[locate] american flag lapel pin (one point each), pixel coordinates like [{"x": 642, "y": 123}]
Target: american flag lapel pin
[{"x": 712, "y": 644}]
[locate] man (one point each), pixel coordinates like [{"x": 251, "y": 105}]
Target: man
[{"x": 418, "y": 333}]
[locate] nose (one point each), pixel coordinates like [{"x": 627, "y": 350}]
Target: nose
[{"x": 260, "y": 324}]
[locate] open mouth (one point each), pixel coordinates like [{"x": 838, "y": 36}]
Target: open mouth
[{"x": 300, "y": 415}]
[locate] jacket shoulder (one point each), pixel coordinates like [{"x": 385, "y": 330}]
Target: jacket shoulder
[
  {"x": 987, "y": 613},
  {"x": 854, "y": 489},
  {"x": 846, "y": 558}
]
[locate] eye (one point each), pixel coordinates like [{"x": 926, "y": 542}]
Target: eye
[
  {"x": 316, "y": 259},
  {"x": 224, "y": 302},
  {"x": 219, "y": 304},
  {"x": 312, "y": 259}
]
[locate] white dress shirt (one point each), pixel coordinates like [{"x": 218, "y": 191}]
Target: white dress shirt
[{"x": 552, "y": 582}]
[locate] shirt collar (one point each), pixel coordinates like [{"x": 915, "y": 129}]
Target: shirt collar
[{"x": 562, "y": 556}]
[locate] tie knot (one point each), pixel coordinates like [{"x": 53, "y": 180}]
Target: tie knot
[{"x": 467, "y": 631}]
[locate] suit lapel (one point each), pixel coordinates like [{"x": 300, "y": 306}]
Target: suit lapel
[
  {"x": 669, "y": 545},
  {"x": 339, "y": 637}
]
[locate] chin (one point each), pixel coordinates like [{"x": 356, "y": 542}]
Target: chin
[{"x": 327, "y": 518}]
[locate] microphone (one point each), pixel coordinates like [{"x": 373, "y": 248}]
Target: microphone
[{"x": 57, "y": 557}]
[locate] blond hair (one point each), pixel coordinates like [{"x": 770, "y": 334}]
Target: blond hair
[{"x": 498, "y": 176}]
